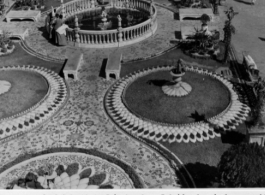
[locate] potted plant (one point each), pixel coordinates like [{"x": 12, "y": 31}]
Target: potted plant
[{"x": 4, "y": 50}]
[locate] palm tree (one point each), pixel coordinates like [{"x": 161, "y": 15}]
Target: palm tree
[{"x": 229, "y": 29}]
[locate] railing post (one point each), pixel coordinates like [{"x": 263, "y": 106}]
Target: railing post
[
  {"x": 92, "y": 3},
  {"x": 119, "y": 30},
  {"x": 77, "y": 37},
  {"x": 63, "y": 9}
]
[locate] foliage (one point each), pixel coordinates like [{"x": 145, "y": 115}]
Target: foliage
[
  {"x": 85, "y": 173},
  {"x": 228, "y": 29},
  {"x": 259, "y": 88},
  {"x": 242, "y": 165},
  {"x": 72, "y": 169},
  {"x": 97, "y": 179},
  {"x": 106, "y": 187},
  {"x": 4, "y": 38},
  {"x": 59, "y": 170},
  {"x": 202, "y": 42},
  {"x": 203, "y": 175},
  {"x": 22, "y": 3},
  {"x": 205, "y": 18}
]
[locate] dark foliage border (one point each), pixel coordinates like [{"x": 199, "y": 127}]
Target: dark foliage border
[{"x": 137, "y": 181}]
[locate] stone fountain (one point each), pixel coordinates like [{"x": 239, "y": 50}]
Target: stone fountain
[
  {"x": 104, "y": 25},
  {"x": 177, "y": 87}
]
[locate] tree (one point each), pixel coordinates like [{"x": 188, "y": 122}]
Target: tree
[
  {"x": 229, "y": 29},
  {"x": 242, "y": 165}
]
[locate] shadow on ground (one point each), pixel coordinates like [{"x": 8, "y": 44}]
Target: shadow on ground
[
  {"x": 262, "y": 39},
  {"x": 45, "y": 34},
  {"x": 102, "y": 73},
  {"x": 242, "y": 1},
  {"x": 158, "y": 83},
  {"x": 204, "y": 176},
  {"x": 232, "y": 137},
  {"x": 178, "y": 35}
]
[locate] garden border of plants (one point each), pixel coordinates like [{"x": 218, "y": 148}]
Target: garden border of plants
[{"x": 137, "y": 181}]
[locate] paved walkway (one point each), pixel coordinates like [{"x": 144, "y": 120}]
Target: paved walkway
[{"x": 82, "y": 122}]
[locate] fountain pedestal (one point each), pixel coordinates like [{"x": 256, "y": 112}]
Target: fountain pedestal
[{"x": 177, "y": 87}]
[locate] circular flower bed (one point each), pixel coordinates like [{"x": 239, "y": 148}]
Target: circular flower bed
[
  {"x": 69, "y": 170},
  {"x": 234, "y": 114},
  {"x": 43, "y": 109}
]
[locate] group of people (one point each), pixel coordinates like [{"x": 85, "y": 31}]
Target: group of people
[{"x": 56, "y": 28}]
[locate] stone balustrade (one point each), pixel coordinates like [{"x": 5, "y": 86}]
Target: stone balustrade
[{"x": 110, "y": 38}]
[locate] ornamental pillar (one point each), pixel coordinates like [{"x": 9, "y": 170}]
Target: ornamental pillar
[
  {"x": 92, "y": 3},
  {"x": 63, "y": 9},
  {"x": 76, "y": 29},
  {"x": 119, "y": 29}
]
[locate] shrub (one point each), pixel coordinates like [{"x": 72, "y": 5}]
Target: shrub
[
  {"x": 72, "y": 169},
  {"x": 85, "y": 173},
  {"x": 97, "y": 179},
  {"x": 242, "y": 165}
]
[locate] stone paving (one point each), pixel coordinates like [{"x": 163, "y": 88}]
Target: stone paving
[{"x": 83, "y": 124}]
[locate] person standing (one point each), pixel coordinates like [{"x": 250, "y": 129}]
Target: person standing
[{"x": 57, "y": 24}]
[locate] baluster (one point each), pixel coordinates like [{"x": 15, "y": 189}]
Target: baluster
[
  {"x": 103, "y": 38},
  {"x": 100, "y": 39},
  {"x": 85, "y": 38},
  {"x": 92, "y": 39},
  {"x": 107, "y": 35},
  {"x": 97, "y": 41},
  {"x": 88, "y": 38}
]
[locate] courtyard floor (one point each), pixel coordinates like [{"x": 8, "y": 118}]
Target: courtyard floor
[{"x": 82, "y": 122}]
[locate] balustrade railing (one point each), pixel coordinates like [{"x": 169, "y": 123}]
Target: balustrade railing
[{"x": 110, "y": 38}]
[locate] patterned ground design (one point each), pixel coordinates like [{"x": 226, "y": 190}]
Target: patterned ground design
[
  {"x": 82, "y": 123},
  {"x": 235, "y": 113},
  {"x": 43, "y": 110},
  {"x": 69, "y": 171}
]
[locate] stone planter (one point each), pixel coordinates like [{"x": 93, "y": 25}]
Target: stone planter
[{"x": 9, "y": 51}]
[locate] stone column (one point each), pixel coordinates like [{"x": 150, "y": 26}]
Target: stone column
[{"x": 77, "y": 37}]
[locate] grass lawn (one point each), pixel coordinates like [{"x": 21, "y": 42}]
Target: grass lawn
[
  {"x": 167, "y": 59},
  {"x": 21, "y": 57},
  {"x": 27, "y": 89},
  {"x": 146, "y": 98}
]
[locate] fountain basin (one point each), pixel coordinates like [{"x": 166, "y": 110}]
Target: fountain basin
[{"x": 146, "y": 12}]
